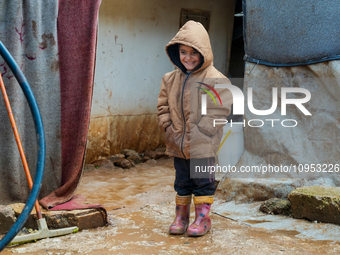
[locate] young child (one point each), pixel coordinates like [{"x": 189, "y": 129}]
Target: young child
[{"x": 190, "y": 137}]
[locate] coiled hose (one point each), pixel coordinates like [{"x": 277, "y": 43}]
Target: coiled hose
[{"x": 39, "y": 129}]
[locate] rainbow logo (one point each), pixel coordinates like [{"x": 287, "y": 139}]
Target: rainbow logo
[{"x": 212, "y": 89}]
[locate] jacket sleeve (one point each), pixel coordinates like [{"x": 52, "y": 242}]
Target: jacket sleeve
[
  {"x": 163, "y": 108},
  {"x": 218, "y": 111}
]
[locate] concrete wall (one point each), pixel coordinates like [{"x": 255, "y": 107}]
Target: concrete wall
[{"x": 131, "y": 61}]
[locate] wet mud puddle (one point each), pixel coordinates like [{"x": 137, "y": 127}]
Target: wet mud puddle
[
  {"x": 122, "y": 190},
  {"x": 140, "y": 206}
]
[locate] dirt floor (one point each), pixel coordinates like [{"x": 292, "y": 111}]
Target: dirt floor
[{"x": 140, "y": 205}]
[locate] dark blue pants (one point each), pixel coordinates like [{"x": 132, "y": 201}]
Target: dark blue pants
[{"x": 189, "y": 182}]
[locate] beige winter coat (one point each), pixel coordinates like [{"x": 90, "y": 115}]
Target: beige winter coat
[{"x": 188, "y": 133}]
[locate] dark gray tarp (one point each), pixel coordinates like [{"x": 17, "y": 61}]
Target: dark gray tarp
[{"x": 290, "y": 32}]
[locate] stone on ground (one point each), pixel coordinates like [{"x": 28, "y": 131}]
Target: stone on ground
[
  {"x": 83, "y": 219},
  {"x": 104, "y": 163},
  {"x": 113, "y": 158},
  {"x": 128, "y": 152},
  {"x": 88, "y": 167},
  {"x": 135, "y": 158},
  {"x": 7, "y": 218},
  {"x": 145, "y": 158},
  {"x": 276, "y": 206},
  {"x": 155, "y": 154},
  {"x": 316, "y": 203},
  {"x": 123, "y": 162},
  {"x": 151, "y": 162}
]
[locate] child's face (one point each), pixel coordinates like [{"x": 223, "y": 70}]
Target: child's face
[{"x": 189, "y": 57}]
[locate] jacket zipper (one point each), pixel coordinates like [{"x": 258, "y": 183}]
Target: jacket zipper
[{"x": 186, "y": 78}]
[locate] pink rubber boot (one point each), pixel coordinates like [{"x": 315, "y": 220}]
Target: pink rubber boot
[
  {"x": 202, "y": 223},
  {"x": 181, "y": 222}
]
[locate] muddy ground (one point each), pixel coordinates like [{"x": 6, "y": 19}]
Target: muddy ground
[{"x": 140, "y": 206}]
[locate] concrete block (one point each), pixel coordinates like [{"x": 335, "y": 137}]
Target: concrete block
[
  {"x": 83, "y": 219},
  {"x": 7, "y": 218},
  {"x": 316, "y": 203}
]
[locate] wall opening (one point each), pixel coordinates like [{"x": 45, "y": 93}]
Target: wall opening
[
  {"x": 197, "y": 15},
  {"x": 236, "y": 62}
]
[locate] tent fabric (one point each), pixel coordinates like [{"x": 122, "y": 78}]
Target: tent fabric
[
  {"x": 77, "y": 33},
  {"x": 314, "y": 139},
  {"x": 54, "y": 44},
  {"x": 311, "y": 147},
  {"x": 28, "y": 29},
  {"x": 285, "y": 33},
  {"x": 77, "y": 201}
]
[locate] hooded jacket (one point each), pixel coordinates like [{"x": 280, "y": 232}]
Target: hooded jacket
[{"x": 188, "y": 133}]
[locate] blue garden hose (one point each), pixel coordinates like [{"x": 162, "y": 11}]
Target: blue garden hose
[{"x": 39, "y": 129}]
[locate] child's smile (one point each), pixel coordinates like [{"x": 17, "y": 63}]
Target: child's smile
[{"x": 189, "y": 57}]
